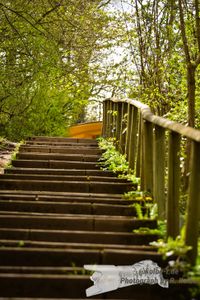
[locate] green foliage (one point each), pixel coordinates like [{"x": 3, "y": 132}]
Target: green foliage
[
  {"x": 160, "y": 230},
  {"x": 139, "y": 211},
  {"x": 21, "y": 244},
  {"x": 146, "y": 210},
  {"x": 46, "y": 78},
  {"x": 195, "y": 292},
  {"x": 145, "y": 207},
  {"x": 138, "y": 195},
  {"x": 147, "y": 230},
  {"x": 172, "y": 247},
  {"x": 79, "y": 271},
  {"x": 111, "y": 159},
  {"x": 130, "y": 176},
  {"x": 114, "y": 161},
  {"x": 194, "y": 272}
]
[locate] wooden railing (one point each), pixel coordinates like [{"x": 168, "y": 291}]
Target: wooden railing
[{"x": 152, "y": 146}]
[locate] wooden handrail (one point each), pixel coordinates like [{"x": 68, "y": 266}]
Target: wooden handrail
[
  {"x": 147, "y": 114},
  {"x": 142, "y": 136}
]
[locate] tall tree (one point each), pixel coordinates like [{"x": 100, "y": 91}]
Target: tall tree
[
  {"x": 190, "y": 32},
  {"x": 45, "y": 53}
]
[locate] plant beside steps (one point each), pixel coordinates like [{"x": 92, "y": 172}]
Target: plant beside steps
[{"x": 59, "y": 211}]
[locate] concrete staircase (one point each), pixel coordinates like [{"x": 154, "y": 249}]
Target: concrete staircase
[{"x": 59, "y": 211}]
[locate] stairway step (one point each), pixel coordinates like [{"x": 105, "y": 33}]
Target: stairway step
[
  {"x": 61, "y": 149},
  {"x": 65, "y": 287},
  {"x": 57, "y": 156},
  {"x": 61, "y": 177},
  {"x": 25, "y": 285},
  {"x": 54, "y": 164},
  {"x": 28, "y": 298},
  {"x": 38, "y": 194},
  {"x": 71, "y": 222},
  {"x": 43, "y": 270},
  {"x": 66, "y": 245},
  {"x": 73, "y": 257},
  {"x": 62, "y": 139},
  {"x": 67, "y": 208},
  {"x": 73, "y": 172},
  {"x": 65, "y": 186},
  {"x": 67, "y": 199},
  {"x": 59, "y": 211},
  {"x": 79, "y": 236},
  {"x": 61, "y": 144}
]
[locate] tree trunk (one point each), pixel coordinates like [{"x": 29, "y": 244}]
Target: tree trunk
[{"x": 191, "y": 86}]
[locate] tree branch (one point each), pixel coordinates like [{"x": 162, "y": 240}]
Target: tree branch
[
  {"x": 183, "y": 33},
  {"x": 48, "y": 12},
  {"x": 21, "y": 16},
  {"x": 104, "y": 4},
  {"x": 197, "y": 22},
  {"x": 18, "y": 33}
]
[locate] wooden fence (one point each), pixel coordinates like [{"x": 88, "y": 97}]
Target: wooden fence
[{"x": 152, "y": 146}]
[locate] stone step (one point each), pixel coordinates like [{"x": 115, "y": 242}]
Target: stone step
[
  {"x": 54, "y": 164},
  {"x": 57, "y": 156},
  {"x": 72, "y": 172},
  {"x": 79, "y": 236},
  {"x": 72, "y": 222},
  {"x": 73, "y": 257},
  {"x": 61, "y": 149},
  {"x": 61, "y": 177},
  {"x": 65, "y": 186},
  {"x": 67, "y": 208}
]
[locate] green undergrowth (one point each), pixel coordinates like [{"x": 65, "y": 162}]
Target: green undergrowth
[
  {"x": 144, "y": 205},
  {"x": 160, "y": 230},
  {"x": 114, "y": 161},
  {"x": 139, "y": 196},
  {"x": 172, "y": 246},
  {"x": 175, "y": 251},
  {"x": 78, "y": 270}
]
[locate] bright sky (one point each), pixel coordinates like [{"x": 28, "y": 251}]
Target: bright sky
[{"x": 118, "y": 4}]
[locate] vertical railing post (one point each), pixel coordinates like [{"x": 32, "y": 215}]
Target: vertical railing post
[
  {"x": 140, "y": 153},
  {"x": 159, "y": 171},
  {"x": 193, "y": 213},
  {"x": 128, "y": 132},
  {"x": 173, "y": 185},
  {"x": 114, "y": 127},
  {"x": 123, "y": 127},
  {"x": 109, "y": 118},
  {"x": 148, "y": 156},
  {"x": 104, "y": 119},
  {"x": 133, "y": 144},
  {"x": 118, "y": 123}
]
